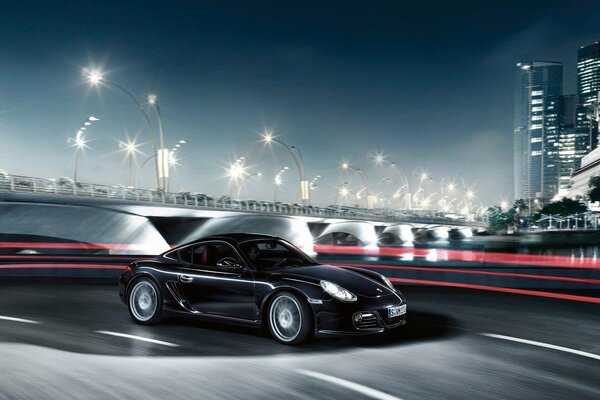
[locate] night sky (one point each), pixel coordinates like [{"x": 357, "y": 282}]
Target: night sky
[{"x": 428, "y": 83}]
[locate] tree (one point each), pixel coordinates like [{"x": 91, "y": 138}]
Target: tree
[
  {"x": 594, "y": 182},
  {"x": 594, "y": 185},
  {"x": 497, "y": 219},
  {"x": 563, "y": 207},
  {"x": 594, "y": 194}
]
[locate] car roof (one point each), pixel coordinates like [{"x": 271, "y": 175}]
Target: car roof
[{"x": 238, "y": 237}]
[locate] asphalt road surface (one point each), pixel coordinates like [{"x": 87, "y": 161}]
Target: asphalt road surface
[{"x": 76, "y": 341}]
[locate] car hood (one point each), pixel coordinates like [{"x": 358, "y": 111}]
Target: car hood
[{"x": 355, "y": 282}]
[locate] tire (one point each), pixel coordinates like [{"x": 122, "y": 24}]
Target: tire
[
  {"x": 145, "y": 302},
  {"x": 289, "y": 319}
]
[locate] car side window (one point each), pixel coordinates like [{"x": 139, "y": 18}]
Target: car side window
[{"x": 216, "y": 255}]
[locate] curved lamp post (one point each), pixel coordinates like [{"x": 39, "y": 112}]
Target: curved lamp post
[
  {"x": 96, "y": 78},
  {"x": 268, "y": 138},
  {"x": 365, "y": 180},
  {"x": 80, "y": 143}
]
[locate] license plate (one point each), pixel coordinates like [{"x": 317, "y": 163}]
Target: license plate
[{"x": 396, "y": 311}]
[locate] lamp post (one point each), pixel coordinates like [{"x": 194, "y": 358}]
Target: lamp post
[
  {"x": 96, "y": 78},
  {"x": 405, "y": 183},
  {"x": 80, "y": 143},
  {"x": 172, "y": 162},
  {"x": 313, "y": 183},
  {"x": 130, "y": 148},
  {"x": 278, "y": 181},
  {"x": 268, "y": 138},
  {"x": 341, "y": 192},
  {"x": 235, "y": 172},
  {"x": 171, "y": 159},
  {"x": 241, "y": 185},
  {"x": 361, "y": 173},
  {"x": 164, "y": 158}
]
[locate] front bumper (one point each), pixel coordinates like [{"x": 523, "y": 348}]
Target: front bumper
[{"x": 337, "y": 318}]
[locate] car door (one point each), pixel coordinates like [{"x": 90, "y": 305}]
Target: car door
[{"x": 216, "y": 282}]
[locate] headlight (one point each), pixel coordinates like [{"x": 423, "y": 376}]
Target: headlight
[
  {"x": 338, "y": 292},
  {"x": 388, "y": 282}
]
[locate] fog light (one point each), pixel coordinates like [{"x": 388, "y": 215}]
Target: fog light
[{"x": 358, "y": 317}]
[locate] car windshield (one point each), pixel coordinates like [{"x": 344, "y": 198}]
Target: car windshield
[{"x": 270, "y": 253}]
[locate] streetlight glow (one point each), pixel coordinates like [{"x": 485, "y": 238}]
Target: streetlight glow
[
  {"x": 236, "y": 171},
  {"x": 129, "y": 147},
  {"x": 152, "y": 99},
  {"x": 94, "y": 77},
  {"x": 379, "y": 158},
  {"x": 267, "y": 137}
]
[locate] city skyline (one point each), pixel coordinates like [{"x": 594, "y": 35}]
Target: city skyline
[{"x": 335, "y": 100}]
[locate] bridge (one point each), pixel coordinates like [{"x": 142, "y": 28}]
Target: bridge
[{"x": 74, "y": 192}]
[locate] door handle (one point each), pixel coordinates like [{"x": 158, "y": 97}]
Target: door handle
[{"x": 186, "y": 278}]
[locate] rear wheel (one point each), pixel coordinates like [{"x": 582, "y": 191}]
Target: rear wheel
[
  {"x": 290, "y": 320},
  {"x": 145, "y": 302}
]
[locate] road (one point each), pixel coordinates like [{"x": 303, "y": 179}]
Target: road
[{"x": 64, "y": 341}]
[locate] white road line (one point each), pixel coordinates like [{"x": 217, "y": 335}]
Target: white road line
[
  {"x": 367, "y": 391},
  {"x": 141, "y": 338},
  {"x": 27, "y": 321},
  {"x": 545, "y": 345}
]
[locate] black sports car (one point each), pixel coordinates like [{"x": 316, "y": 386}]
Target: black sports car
[{"x": 260, "y": 280}]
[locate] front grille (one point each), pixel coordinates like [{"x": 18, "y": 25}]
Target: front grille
[{"x": 368, "y": 321}]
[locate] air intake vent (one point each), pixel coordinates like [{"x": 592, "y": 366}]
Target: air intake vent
[{"x": 366, "y": 321}]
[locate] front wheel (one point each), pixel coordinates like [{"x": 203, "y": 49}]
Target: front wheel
[
  {"x": 290, "y": 320},
  {"x": 145, "y": 302}
]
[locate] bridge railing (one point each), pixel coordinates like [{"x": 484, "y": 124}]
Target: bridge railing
[{"x": 66, "y": 186}]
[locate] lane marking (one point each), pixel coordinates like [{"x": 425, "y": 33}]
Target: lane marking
[
  {"x": 527, "y": 292},
  {"x": 14, "y": 319},
  {"x": 545, "y": 345},
  {"x": 141, "y": 338},
  {"x": 365, "y": 390}
]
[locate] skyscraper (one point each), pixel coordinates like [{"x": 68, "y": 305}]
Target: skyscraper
[
  {"x": 588, "y": 74},
  {"x": 575, "y": 140},
  {"x": 537, "y": 129},
  {"x": 588, "y": 85}
]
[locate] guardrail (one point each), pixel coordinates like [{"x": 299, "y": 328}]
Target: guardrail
[{"x": 66, "y": 186}]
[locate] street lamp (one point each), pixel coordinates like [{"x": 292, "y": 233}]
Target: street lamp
[
  {"x": 268, "y": 138},
  {"x": 361, "y": 173},
  {"x": 130, "y": 148},
  {"x": 278, "y": 182},
  {"x": 96, "y": 78},
  {"x": 80, "y": 143},
  {"x": 162, "y": 160},
  {"x": 342, "y": 191},
  {"x": 404, "y": 184},
  {"x": 173, "y": 160},
  {"x": 241, "y": 185},
  {"x": 313, "y": 182},
  {"x": 236, "y": 171},
  {"x": 170, "y": 157},
  {"x": 379, "y": 158}
]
